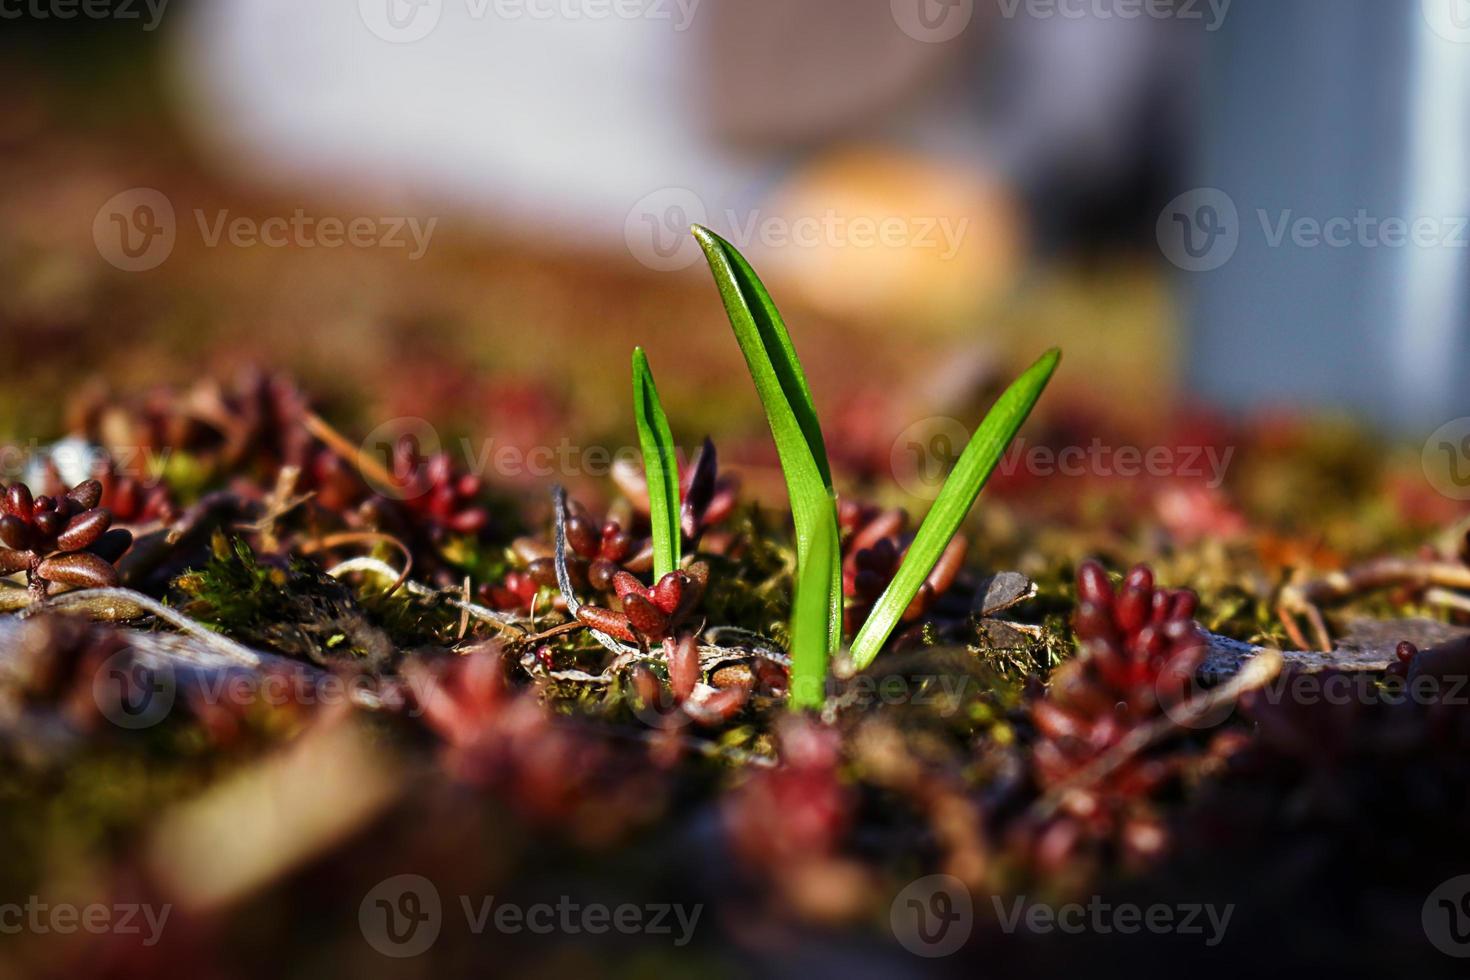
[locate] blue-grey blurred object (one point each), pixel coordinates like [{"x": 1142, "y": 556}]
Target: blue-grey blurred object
[{"x": 1317, "y": 110}]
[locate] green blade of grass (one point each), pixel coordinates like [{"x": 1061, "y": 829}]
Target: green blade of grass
[
  {"x": 809, "y": 622},
  {"x": 955, "y": 499},
  {"x": 660, "y": 466},
  {"x": 787, "y": 400}
]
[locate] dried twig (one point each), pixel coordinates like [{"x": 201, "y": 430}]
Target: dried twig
[
  {"x": 373, "y": 471},
  {"x": 1305, "y": 599},
  {"x": 503, "y": 622},
  {"x": 121, "y": 604},
  {"x": 366, "y": 537}
]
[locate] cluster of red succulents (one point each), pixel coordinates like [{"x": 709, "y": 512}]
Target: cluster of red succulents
[
  {"x": 517, "y": 590},
  {"x": 507, "y": 741},
  {"x": 598, "y": 551},
  {"x": 874, "y": 545},
  {"x": 708, "y": 496},
  {"x": 59, "y": 541},
  {"x": 1139, "y": 651},
  {"x": 129, "y": 499},
  {"x": 649, "y": 615},
  {"x": 255, "y": 423},
  {"x": 432, "y": 494},
  {"x": 733, "y": 684},
  {"x": 794, "y": 818},
  {"x": 262, "y": 424}
]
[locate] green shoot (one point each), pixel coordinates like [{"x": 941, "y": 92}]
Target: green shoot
[
  {"x": 776, "y": 371},
  {"x": 660, "y": 467},
  {"x": 955, "y": 499},
  {"x": 809, "y": 621}
]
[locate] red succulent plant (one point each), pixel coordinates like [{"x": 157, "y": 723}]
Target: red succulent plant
[{"x": 60, "y": 541}]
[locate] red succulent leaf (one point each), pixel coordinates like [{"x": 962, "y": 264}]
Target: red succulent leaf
[
  {"x": 78, "y": 568},
  {"x": 683, "y": 658}
]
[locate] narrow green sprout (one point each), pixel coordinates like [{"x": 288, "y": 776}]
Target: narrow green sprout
[
  {"x": 660, "y": 466},
  {"x": 955, "y": 499},
  {"x": 787, "y": 400},
  {"x": 809, "y": 621}
]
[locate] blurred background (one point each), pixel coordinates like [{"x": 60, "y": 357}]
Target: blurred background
[
  {"x": 1240, "y": 204},
  {"x": 1246, "y": 222}
]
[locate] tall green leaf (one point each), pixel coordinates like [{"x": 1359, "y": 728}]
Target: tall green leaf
[
  {"x": 660, "y": 466},
  {"x": 955, "y": 499},
  {"x": 809, "y": 621},
  {"x": 787, "y": 400}
]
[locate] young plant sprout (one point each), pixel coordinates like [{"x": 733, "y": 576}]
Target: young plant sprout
[
  {"x": 955, "y": 499},
  {"x": 774, "y": 367},
  {"x": 776, "y": 371},
  {"x": 660, "y": 465}
]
